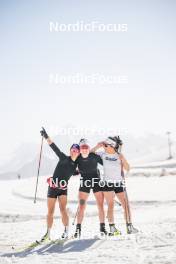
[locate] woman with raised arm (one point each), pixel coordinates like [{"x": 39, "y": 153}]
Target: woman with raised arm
[
  {"x": 114, "y": 182},
  {"x": 57, "y": 189}
]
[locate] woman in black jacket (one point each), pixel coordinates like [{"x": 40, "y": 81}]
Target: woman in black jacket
[
  {"x": 90, "y": 180},
  {"x": 57, "y": 189}
]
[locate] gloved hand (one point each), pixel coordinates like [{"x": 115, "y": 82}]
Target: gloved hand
[
  {"x": 118, "y": 141},
  {"x": 43, "y": 133}
]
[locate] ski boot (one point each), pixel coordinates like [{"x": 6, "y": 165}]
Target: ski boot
[
  {"x": 103, "y": 231},
  {"x": 65, "y": 233},
  {"x": 114, "y": 231},
  {"x": 131, "y": 229},
  {"x": 78, "y": 231},
  {"x": 45, "y": 238}
]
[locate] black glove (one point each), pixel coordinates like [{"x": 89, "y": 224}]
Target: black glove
[
  {"x": 119, "y": 141},
  {"x": 43, "y": 133}
]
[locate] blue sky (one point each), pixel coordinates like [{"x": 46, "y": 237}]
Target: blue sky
[{"x": 146, "y": 53}]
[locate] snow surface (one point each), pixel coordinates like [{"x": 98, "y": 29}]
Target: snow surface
[{"x": 153, "y": 203}]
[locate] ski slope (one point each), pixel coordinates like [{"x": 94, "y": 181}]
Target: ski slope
[{"x": 153, "y": 203}]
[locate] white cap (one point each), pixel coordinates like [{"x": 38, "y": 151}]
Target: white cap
[
  {"x": 111, "y": 142},
  {"x": 84, "y": 141}
]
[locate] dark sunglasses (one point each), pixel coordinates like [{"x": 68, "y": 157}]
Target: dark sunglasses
[
  {"x": 107, "y": 145},
  {"x": 75, "y": 150}
]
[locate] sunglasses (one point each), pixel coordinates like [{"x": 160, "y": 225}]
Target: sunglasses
[
  {"x": 108, "y": 145},
  {"x": 75, "y": 150}
]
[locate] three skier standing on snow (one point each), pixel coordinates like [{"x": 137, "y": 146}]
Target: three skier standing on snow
[{"x": 87, "y": 160}]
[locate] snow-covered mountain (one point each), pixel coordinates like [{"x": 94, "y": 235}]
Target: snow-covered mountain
[
  {"x": 138, "y": 150},
  {"x": 23, "y": 154},
  {"x": 30, "y": 169}
]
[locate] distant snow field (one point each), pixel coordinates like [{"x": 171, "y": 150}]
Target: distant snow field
[{"x": 153, "y": 203}]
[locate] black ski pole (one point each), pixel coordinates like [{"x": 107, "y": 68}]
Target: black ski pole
[
  {"x": 119, "y": 204},
  {"x": 38, "y": 172}
]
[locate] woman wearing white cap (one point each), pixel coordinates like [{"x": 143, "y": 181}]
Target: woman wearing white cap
[{"x": 113, "y": 181}]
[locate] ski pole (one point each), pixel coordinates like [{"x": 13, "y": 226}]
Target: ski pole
[
  {"x": 126, "y": 201},
  {"x": 75, "y": 215},
  {"x": 40, "y": 157},
  {"x": 127, "y": 207},
  {"x": 119, "y": 204}
]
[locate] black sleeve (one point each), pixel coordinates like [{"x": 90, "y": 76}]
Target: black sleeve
[
  {"x": 60, "y": 154},
  {"x": 98, "y": 158}
]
